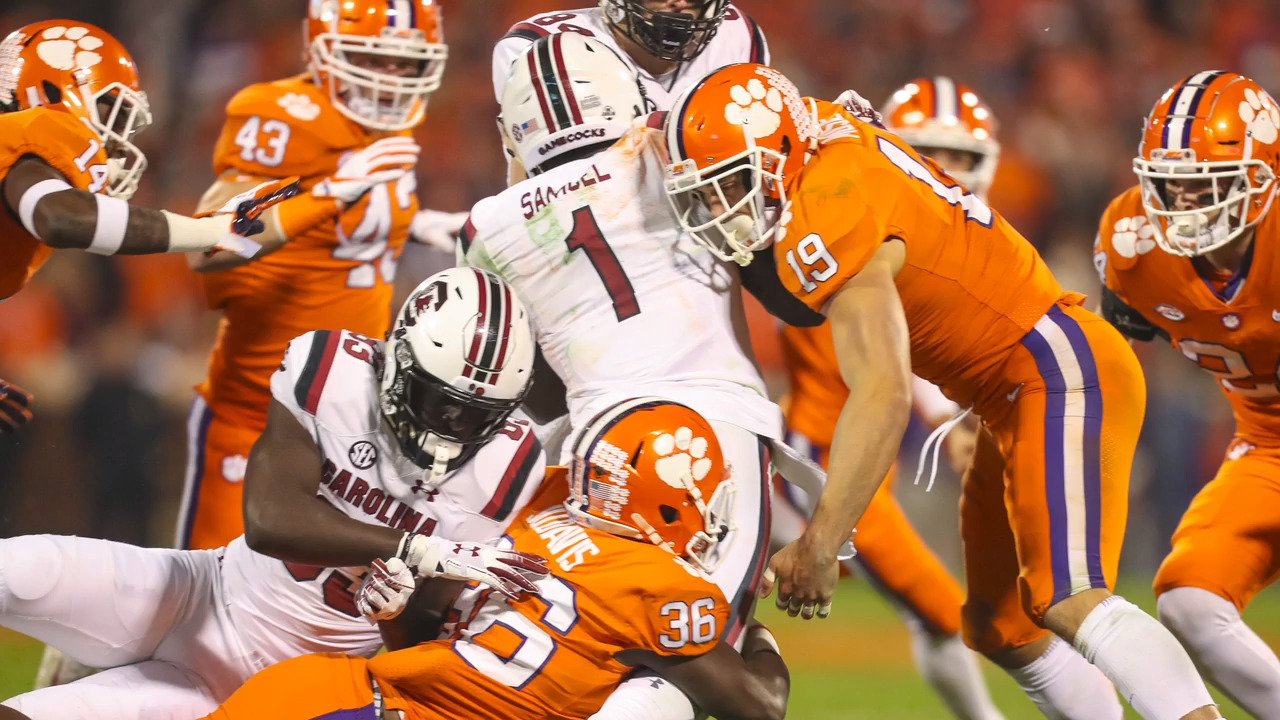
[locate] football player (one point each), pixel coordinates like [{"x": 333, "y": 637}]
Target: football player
[
  {"x": 915, "y": 272},
  {"x": 70, "y": 106},
  {"x": 623, "y": 302},
  {"x": 344, "y": 127},
  {"x": 668, "y": 44},
  {"x": 344, "y": 475},
  {"x": 632, "y": 530},
  {"x": 1185, "y": 257},
  {"x": 948, "y": 122}
]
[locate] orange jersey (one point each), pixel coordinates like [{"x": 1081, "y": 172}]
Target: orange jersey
[
  {"x": 554, "y": 656},
  {"x": 67, "y": 145},
  {"x": 336, "y": 275},
  {"x": 1232, "y": 332},
  {"x": 816, "y": 392},
  {"x": 971, "y": 285}
]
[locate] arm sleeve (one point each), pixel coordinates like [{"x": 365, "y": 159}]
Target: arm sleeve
[
  {"x": 1128, "y": 321},
  {"x": 761, "y": 279}
]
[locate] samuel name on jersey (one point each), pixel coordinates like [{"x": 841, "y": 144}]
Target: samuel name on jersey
[{"x": 328, "y": 381}]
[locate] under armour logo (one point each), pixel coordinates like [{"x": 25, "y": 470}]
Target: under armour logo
[
  {"x": 656, "y": 683},
  {"x": 458, "y": 548},
  {"x": 421, "y": 487}
]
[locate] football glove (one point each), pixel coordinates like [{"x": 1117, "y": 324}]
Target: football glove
[
  {"x": 510, "y": 572},
  {"x": 15, "y": 407},
  {"x": 860, "y": 108},
  {"x": 385, "y": 590},
  {"x": 437, "y": 229},
  {"x": 383, "y": 161},
  {"x": 246, "y": 211}
]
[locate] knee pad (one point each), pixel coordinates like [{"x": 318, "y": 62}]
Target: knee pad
[{"x": 30, "y": 567}]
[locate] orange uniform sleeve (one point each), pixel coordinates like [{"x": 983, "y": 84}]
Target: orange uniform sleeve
[
  {"x": 275, "y": 130},
  {"x": 684, "y": 616},
  {"x": 59, "y": 139},
  {"x": 829, "y": 236}
]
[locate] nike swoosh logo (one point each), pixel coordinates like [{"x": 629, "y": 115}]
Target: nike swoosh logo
[{"x": 1014, "y": 395}]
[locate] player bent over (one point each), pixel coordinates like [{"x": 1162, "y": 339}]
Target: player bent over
[
  {"x": 632, "y": 529},
  {"x": 347, "y": 472},
  {"x": 916, "y": 273}
]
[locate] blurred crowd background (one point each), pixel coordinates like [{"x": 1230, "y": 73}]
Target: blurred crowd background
[{"x": 112, "y": 348}]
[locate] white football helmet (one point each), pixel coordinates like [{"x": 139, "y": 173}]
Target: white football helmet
[
  {"x": 567, "y": 92},
  {"x": 458, "y": 361}
]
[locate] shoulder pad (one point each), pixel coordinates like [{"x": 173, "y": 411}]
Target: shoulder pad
[
  {"x": 506, "y": 472},
  {"x": 55, "y": 137},
  {"x": 1124, "y": 233},
  {"x": 331, "y": 377},
  {"x": 282, "y": 128},
  {"x": 738, "y": 20}
]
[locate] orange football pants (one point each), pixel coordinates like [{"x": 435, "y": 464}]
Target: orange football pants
[
  {"x": 212, "y": 514},
  {"x": 323, "y": 686},
  {"x": 896, "y": 559},
  {"x": 1229, "y": 539},
  {"x": 1044, "y": 504}
]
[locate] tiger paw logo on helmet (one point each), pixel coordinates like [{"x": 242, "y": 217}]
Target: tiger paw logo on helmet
[
  {"x": 1260, "y": 112},
  {"x": 756, "y": 108},
  {"x": 69, "y": 48},
  {"x": 684, "y": 456},
  {"x": 1134, "y": 236}
]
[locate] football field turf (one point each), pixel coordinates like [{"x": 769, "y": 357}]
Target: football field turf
[{"x": 856, "y": 665}]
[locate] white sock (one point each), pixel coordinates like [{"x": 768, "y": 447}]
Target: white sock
[
  {"x": 1231, "y": 655},
  {"x": 1143, "y": 659},
  {"x": 951, "y": 669},
  {"x": 1066, "y": 687}
]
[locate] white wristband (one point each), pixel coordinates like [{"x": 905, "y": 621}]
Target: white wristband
[
  {"x": 113, "y": 220},
  {"x": 33, "y": 195},
  {"x": 188, "y": 234}
]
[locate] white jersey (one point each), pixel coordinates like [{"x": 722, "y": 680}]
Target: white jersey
[
  {"x": 624, "y": 303},
  {"x": 329, "y": 382},
  {"x": 738, "y": 40}
]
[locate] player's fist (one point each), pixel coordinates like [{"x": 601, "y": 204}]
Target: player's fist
[
  {"x": 15, "y": 407},
  {"x": 245, "y": 211},
  {"x": 385, "y": 590},
  {"x": 383, "y": 161},
  {"x": 510, "y": 572},
  {"x": 437, "y": 229}
]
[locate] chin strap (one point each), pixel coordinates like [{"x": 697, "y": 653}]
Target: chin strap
[{"x": 442, "y": 452}]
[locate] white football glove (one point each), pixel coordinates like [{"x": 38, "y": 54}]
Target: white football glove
[
  {"x": 860, "y": 107},
  {"x": 510, "y": 572},
  {"x": 436, "y": 228},
  {"x": 383, "y": 161},
  {"x": 385, "y": 590}
]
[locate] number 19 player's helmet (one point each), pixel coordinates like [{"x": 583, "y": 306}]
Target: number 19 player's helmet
[
  {"x": 1208, "y": 161},
  {"x": 744, "y": 127},
  {"x": 567, "y": 92},
  {"x": 379, "y": 59},
  {"x": 80, "y": 69},
  {"x": 458, "y": 361},
  {"x": 674, "y": 36},
  {"x": 651, "y": 469}
]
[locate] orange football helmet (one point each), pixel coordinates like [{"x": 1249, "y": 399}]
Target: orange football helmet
[
  {"x": 81, "y": 69},
  {"x": 747, "y": 124},
  {"x": 651, "y": 469},
  {"x": 1208, "y": 161},
  {"x": 380, "y": 59},
  {"x": 932, "y": 113}
]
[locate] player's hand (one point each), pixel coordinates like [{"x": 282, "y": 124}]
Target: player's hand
[
  {"x": 437, "y": 229},
  {"x": 805, "y": 578},
  {"x": 383, "y": 161},
  {"x": 385, "y": 590},
  {"x": 245, "y": 211},
  {"x": 510, "y": 572},
  {"x": 15, "y": 407},
  {"x": 860, "y": 108}
]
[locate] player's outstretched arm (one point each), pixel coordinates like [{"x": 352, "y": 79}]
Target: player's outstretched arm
[
  {"x": 752, "y": 685},
  {"x": 283, "y": 518},
  {"x": 62, "y": 216},
  {"x": 546, "y": 400},
  {"x": 871, "y": 342}
]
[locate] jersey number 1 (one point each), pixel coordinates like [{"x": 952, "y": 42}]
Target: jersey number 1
[{"x": 586, "y": 236}]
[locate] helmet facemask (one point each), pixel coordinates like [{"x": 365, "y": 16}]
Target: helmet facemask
[
  {"x": 378, "y": 99},
  {"x": 117, "y": 113},
  {"x": 435, "y": 422},
  {"x": 748, "y": 218},
  {"x": 1228, "y": 190},
  {"x": 671, "y": 36}
]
